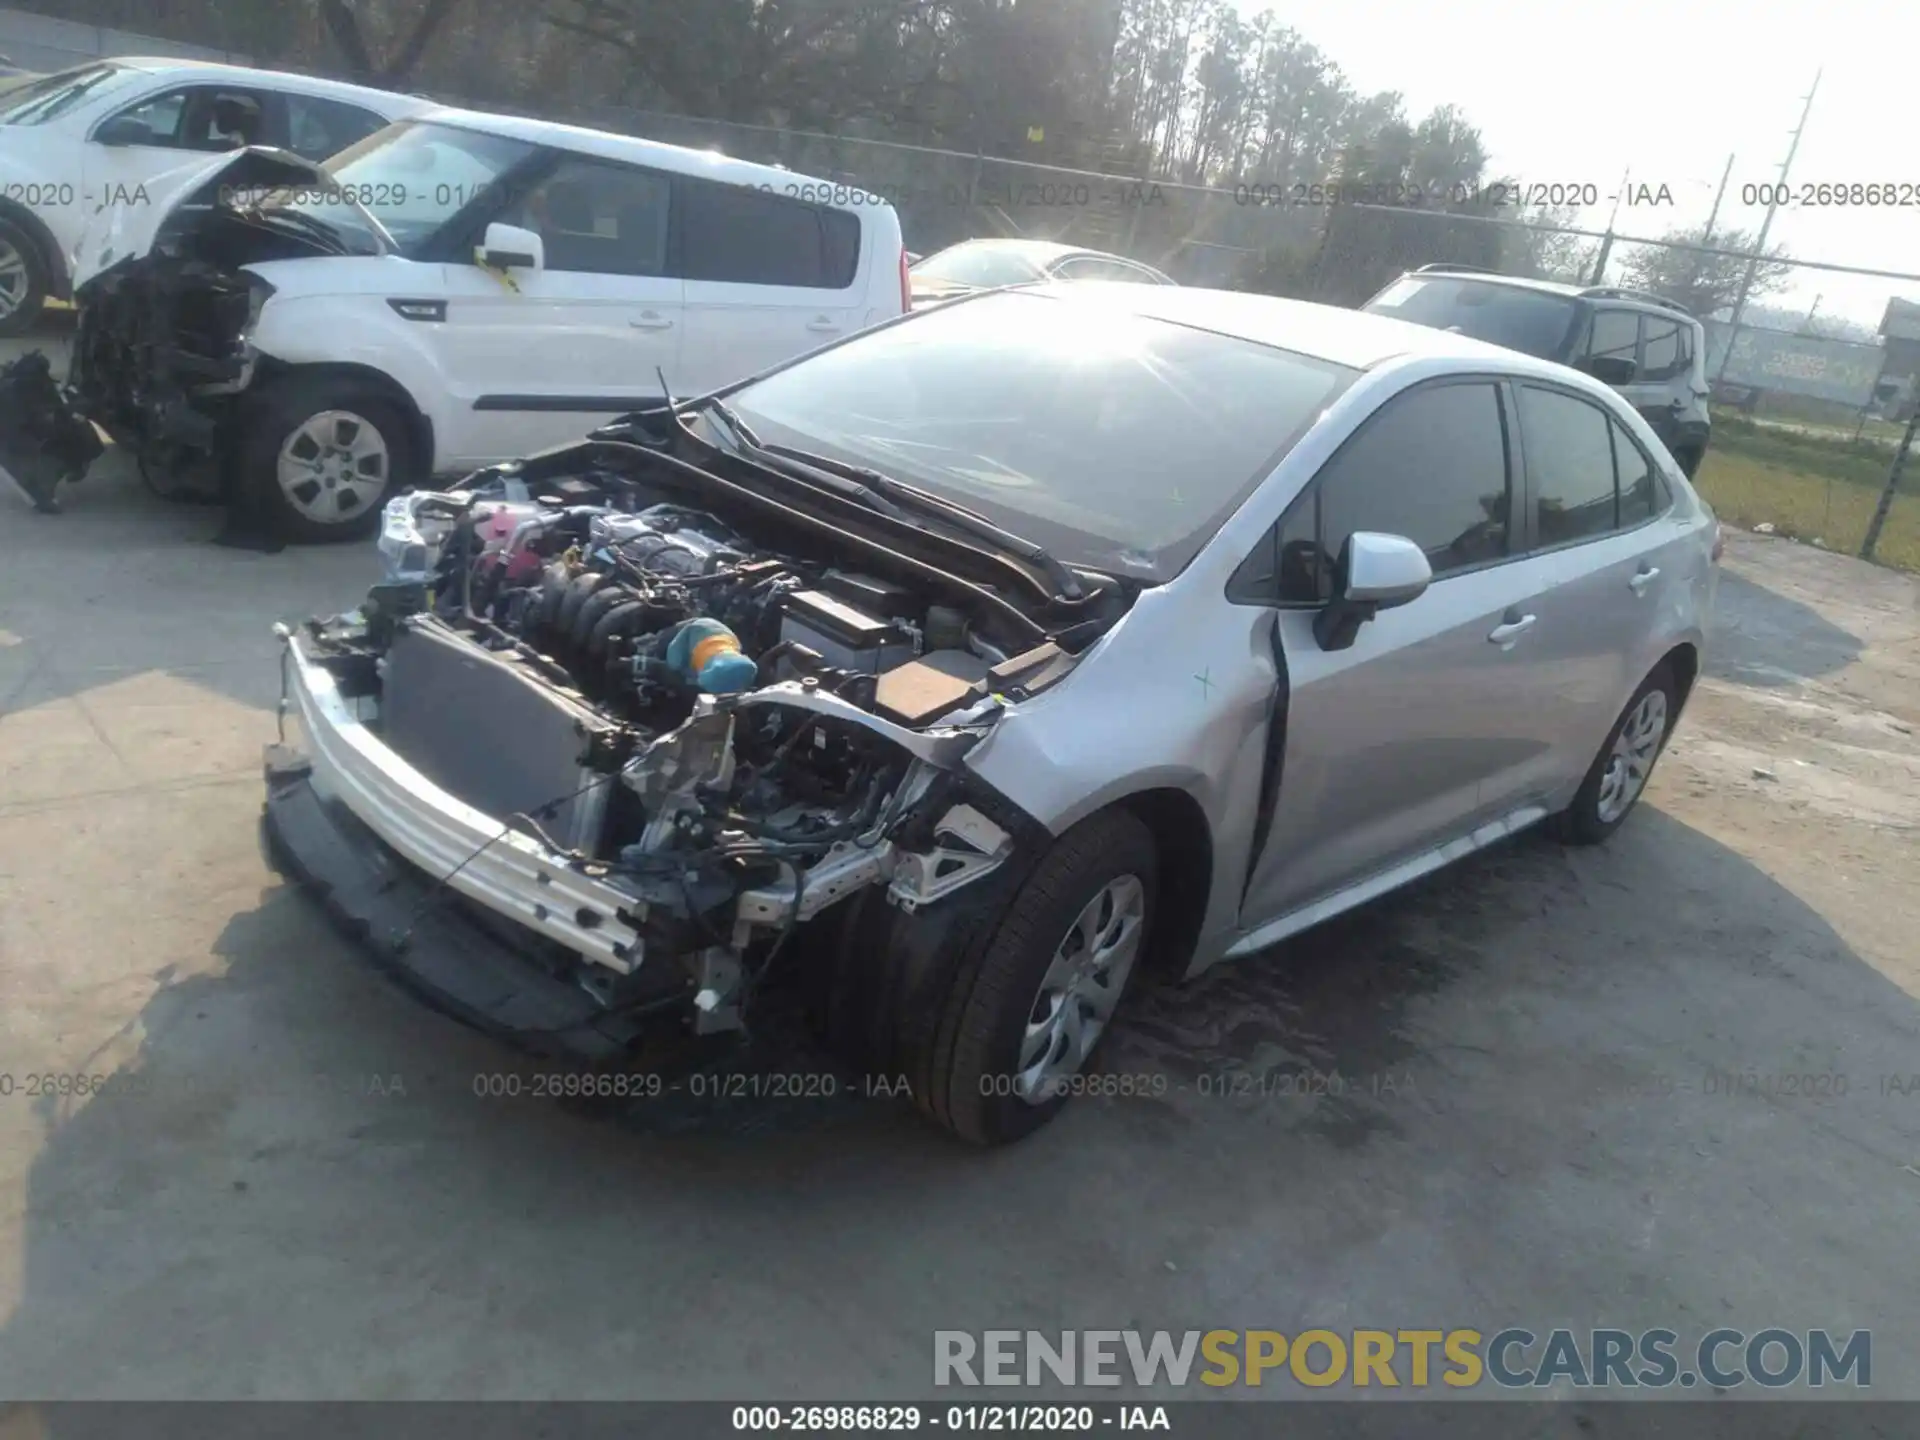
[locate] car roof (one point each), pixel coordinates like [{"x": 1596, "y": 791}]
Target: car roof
[
  {"x": 1351, "y": 338},
  {"x": 1611, "y": 294},
  {"x": 708, "y": 164},
  {"x": 390, "y": 102}
]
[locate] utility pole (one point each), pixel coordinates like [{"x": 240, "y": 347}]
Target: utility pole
[
  {"x": 1806, "y": 325},
  {"x": 1893, "y": 485},
  {"x": 1760, "y": 243},
  {"x": 1706, "y": 236},
  {"x": 1606, "y": 241},
  {"x": 1713, "y": 216}
]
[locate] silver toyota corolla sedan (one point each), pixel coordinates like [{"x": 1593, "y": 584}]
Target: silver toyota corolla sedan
[{"x": 933, "y": 687}]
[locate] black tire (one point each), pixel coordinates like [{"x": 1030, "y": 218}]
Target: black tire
[
  {"x": 274, "y": 416},
  {"x": 975, "y": 1038},
  {"x": 21, "y": 318},
  {"x": 1582, "y": 823},
  {"x": 1689, "y": 460}
]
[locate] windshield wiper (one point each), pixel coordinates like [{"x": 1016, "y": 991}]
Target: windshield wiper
[{"x": 742, "y": 441}]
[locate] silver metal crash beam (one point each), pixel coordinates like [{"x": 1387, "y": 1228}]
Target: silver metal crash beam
[{"x": 471, "y": 852}]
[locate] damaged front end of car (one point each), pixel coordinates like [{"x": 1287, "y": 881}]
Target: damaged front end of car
[
  {"x": 614, "y": 728},
  {"x": 162, "y": 351}
]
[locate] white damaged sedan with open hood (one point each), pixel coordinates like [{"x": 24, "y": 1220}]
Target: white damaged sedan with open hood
[{"x": 936, "y": 685}]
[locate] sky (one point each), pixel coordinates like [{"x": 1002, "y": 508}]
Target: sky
[{"x": 1581, "y": 94}]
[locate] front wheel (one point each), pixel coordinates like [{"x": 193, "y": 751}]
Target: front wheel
[
  {"x": 23, "y": 280},
  {"x": 1021, "y": 1026},
  {"x": 319, "y": 458},
  {"x": 1620, "y": 772}
]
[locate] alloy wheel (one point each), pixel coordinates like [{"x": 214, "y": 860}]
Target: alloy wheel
[{"x": 14, "y": 280}]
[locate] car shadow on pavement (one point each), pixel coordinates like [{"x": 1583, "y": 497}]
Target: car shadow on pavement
[
  {"x": 1517, "y": 1058},
  {"x": 1765, "y": 639}
]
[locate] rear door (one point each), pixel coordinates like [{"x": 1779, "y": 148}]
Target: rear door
[
  {"x": 1430, "y": 723},
  {"x": 537, "y": 359},
  {"x": 1662, "y": 386},
  {"x": 1599, "y": 521},
  {"x": 768, "y": 277}
]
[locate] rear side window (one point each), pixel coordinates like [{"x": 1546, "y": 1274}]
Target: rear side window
[
  {"x": 1570, "y": 462},
  {"x": 1615, "y": 336},
  {"x": 1432, "y": 466},
  {"x": 1643, "y": 494},
  {"x": 748, "y": 237},
  {"x": 1664, "y": 354},
  {"x": 1589, "y": 476}
]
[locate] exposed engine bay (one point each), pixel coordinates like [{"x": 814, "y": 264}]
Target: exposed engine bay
[{"x": 731, "y": 719}]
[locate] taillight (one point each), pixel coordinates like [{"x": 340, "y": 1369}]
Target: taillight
[
  {"x": 1719, "y": 541},
  {"x": 906, "y": 283}
]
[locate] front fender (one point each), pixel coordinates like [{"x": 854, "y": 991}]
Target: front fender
[
  {"x": 1160, "y": 703},
  {"x": 360, "y": 330}
]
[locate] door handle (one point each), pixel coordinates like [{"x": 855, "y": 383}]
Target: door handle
[
  {"x": 649, "y": 320},
  {"x": 823, "y": 325},
  {"x": 1638, "y": 584},
  {"x": 1505, "y": 634}
]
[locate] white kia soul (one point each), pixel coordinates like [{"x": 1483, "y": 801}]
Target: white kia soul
[{"x": 455, "y": 290}]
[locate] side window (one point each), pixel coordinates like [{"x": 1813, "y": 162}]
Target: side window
[
  {"x": 319, "y": 129},
  {"x": 1662, "y": 357},
  {"x": 1570, "y": 462},
  {"x": 1615, "y": 335},
  {"x": 748, "y": 237},
  {"x": 1431, "y": 465},
  {"x": 1642, "y": 495},
  {"x": 159, "y": 116},
  {"x": 218, "y": 118},
  {"x": 601, "y": 219}
]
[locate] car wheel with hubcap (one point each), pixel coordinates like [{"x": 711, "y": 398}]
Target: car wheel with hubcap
[
  {"x": 319, "y": 458},
  {"x": 23, "y": 280},
  {"x": 1620, "y": 772},
  {"x": 1020, "y": 1025}
]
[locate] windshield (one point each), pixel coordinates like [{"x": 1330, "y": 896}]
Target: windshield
[
  {"x": 410, "y": 177},
  {"x": 1117, "y": 441},
  {"x": 981, "y": 265},
  {"x": 1536, "y": 322},
  {"x": 37, "y": 101}
]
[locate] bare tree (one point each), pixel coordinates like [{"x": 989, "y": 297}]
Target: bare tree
[{"x": 1702, "y": 283}]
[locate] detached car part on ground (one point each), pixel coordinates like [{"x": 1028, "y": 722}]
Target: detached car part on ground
[{"x": 932, "y": 686}]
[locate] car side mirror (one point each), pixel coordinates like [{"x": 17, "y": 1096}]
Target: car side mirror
[
  {"x": 508, "y": 247},
  {"x": 1609, "y": 369},
  {"x": 1375, "y": 572},
  {"x": 123, "y": 130}
]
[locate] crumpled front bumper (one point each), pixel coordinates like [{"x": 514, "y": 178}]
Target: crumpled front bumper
[{"x": 383, "y": 848}]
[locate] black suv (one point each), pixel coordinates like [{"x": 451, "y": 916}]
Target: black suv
[{"x": 1648, "y": 348}]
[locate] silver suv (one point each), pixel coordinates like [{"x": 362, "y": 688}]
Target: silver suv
[
  {"x": 948, "y": 677},
  {"x": 1645, "y": 346}
]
